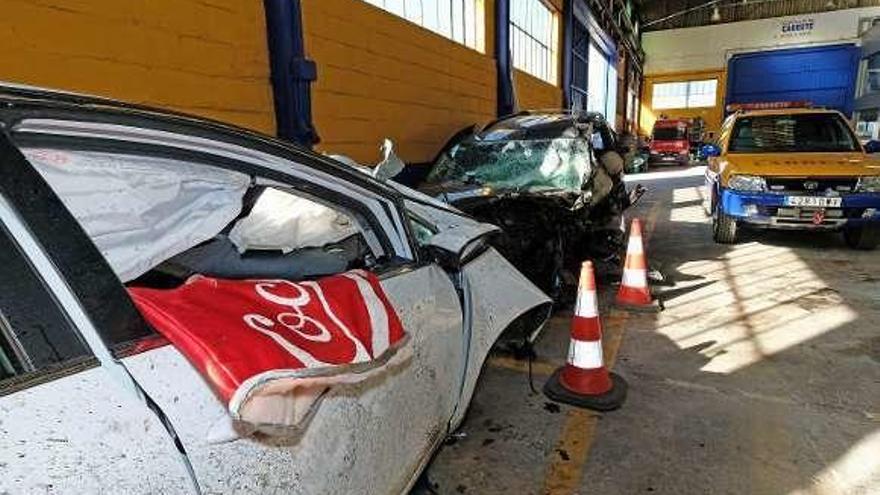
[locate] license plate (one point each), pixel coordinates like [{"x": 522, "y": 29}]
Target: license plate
[{"x": 813, "y": 201}]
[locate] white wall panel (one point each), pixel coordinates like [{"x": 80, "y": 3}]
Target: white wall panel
[{"x": 708, "y": 47}]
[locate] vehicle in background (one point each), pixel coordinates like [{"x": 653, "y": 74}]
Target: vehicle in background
[
  {"x": 670, "y": 142},
  {"x": 635, "y": 158},
  {"x": 551, "y": 181},
  {"x": 788, "y": 167},
  {"x": 101, "y": 201}
]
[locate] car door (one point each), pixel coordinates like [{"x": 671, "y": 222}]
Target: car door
[
  {"x": 70, "y": 420},
  {"x": 372, "y": 437}
]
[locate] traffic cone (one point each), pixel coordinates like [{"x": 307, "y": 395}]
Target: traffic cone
[
  {"x": 584, "y": 381},
  {"x": 634, "y": 292}
]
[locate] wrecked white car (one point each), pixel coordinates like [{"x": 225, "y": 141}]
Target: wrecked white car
[{"x": 190, "y": 307}]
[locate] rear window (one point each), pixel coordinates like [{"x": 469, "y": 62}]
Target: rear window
[
  {"x": 668, "y": 133},
  {"x": 817, "y": 132}
]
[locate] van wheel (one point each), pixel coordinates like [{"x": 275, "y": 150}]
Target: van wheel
[
  {"x": 723, "y": 227},
  {"x": 866, "y": 237}
]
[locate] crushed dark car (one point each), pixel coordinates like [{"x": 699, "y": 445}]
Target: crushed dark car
[{"x": 554, "y": 184}]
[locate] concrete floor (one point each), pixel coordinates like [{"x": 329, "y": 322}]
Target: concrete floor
[{"x": 762, "y": 375}]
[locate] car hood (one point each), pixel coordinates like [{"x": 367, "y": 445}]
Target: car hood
[
  {"x": 455, "y": 192},
  {"x": 802, "y": 164}
]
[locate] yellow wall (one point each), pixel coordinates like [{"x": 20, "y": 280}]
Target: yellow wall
[
  {"x": 382, "y": 76},
  {"x": 378, "y": 75},
  {"x": 207, "y": 58},
  {"x": 534, "y": 93},
  {"x": 711, "y": 115}
]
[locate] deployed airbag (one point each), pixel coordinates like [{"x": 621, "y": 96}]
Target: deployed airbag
[
  {"x": 284, "y": 221},
  {"x": 140, "y": 210}
]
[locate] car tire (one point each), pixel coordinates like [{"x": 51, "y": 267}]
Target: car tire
[
  {"x": 724, "y": 228},
  {"x": 866, "y": 237}
]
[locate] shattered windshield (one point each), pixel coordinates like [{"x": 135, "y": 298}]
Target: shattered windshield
[{"x": 534, "y": 164}]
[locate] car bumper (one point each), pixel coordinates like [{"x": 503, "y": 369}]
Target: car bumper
[
  {"x": 671, "y": 158},
  {"x": 769, "y": 210}
]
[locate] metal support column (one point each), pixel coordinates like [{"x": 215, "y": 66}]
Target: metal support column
[
  {"x": 505, "y": 92},
  {"x": 567, "y": 19},
  {"x": 292, "y": 72}
]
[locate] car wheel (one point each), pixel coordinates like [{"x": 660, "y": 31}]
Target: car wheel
[
  {"x": 723, "y": 227},
  {"x": 866, "y": 237}
]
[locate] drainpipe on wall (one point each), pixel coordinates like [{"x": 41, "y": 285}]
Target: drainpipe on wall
[
  {"x": 567, "y": 27},
  {"x": 292, "y": 72},
  {"x": 506, "y": 101}
]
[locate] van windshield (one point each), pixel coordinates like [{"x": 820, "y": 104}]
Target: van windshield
[
  {"x": 811, "y": 132},
  {"x": 668, "y": 134}
]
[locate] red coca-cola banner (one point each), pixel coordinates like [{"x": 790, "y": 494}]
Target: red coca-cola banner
[{"x": 243, "y": 335}]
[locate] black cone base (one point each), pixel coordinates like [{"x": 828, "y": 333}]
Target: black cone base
[{"x": 608, "y": 401}]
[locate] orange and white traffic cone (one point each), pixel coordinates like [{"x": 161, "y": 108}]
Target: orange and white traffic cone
[
  {"x": 634, "y": 292},
  {"x": 584, "y": 381}
]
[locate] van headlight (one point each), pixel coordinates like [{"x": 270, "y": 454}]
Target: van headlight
[
  {"x": 746, "y": 183},
  {"x": 868, "y": 184}
]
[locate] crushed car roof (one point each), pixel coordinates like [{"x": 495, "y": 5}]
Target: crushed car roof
[{"x": 536, "y": 125}]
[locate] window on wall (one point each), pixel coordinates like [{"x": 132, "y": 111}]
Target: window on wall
[
  {"x": 532, "y": 38},
  {"x": 580, "y": 43},
  {"x": 685, "y": 94},
  {"x": 597, "y": 80},
  {"x": 459, "y": 20},
  {"x": 601, "y": 85}
]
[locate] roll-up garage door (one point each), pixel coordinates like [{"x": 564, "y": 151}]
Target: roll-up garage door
[{"x": 824, "y": 76}]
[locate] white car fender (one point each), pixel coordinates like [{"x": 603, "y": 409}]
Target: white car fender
[{"x": 499, "y": 294}]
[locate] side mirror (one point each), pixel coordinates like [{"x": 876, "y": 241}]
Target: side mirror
[
  {"x": 872, "y": 146},
  {"x": 448, "y": 260},
  {"x": 709, "y": 150},
  {"x": 458, "y": 244}
]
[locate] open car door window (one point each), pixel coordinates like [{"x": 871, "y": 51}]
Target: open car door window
[{"x": 230, "y": 151}]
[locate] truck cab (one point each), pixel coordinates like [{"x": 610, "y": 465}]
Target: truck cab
[
  {"x": 792, "y": 168},
  {"x": 670, "y": 142}
]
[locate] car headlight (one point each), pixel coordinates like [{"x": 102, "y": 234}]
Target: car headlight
[
  {"x": 746, "y": 183},
  {"x": 869, "y": 184}
]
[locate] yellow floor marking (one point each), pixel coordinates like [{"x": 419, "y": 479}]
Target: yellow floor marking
[
  {"x": 573, "y": 447},
  {"x": 576, "y": 437},
  {"x": 539, "y": 367},
  {"x": 564, "y": 473}
]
